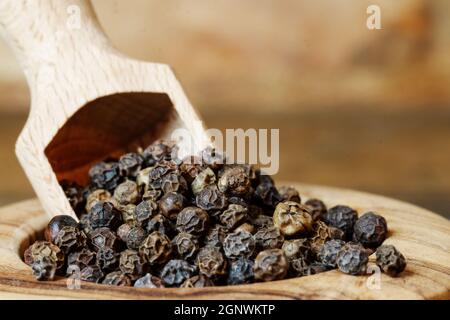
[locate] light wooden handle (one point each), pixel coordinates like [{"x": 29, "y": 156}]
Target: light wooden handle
[{"x": 40, "y": 32}]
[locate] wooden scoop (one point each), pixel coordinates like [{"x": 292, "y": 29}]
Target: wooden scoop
[{"x": 88, "y": 101}]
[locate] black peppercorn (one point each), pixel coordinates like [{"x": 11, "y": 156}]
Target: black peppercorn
[
  {"x": 127, "y": 193},
  {"x": 211, "y": 262},
  {"x": 211, "y": 199},
  {"x": 130, "y": 164},
  {"x": 186, "y": 245},
  {"x": 267, "y": 195},
  {"x": 105, "y": 175},
  {"x": 215, "y": 236},
  {"x": 156, "y": 248},
  {"x": 171, "y": 204},
  {"x": 234, "y": 181},
  {"x": 175, "y": 272},
  {"x": 239, "y": 244},
  {"x": 289, "y": 193},
  {"x": 270, "y": 265},
  {"x": 91, "y": 274},
  {"x": 233, "y": 216},
  {"x": 329, "y": 251},
  {"x": 149, "y": 281},
  {"x": 190, "y": 168},
  {"x": 160, "y": 223},
  {"x": 199, "y": 281},
  {"x": 297, "y": 248},
  {"x": 44, "y": 268},
  {"x": 352, "y": 259},
  {"x": 82, "y": 258},
  {"x": 97, "y": 196},
  {"x": 241, "y": 271},
  {"x": 117, "y": 278},
  {"x": 135, "y": 237},
  {"x": 390, "y": 260},
  {"x": 268, "y": 238},
  {"x": 173, "y": 182},
  {"x": 203, "y": 179},
  {"x": 192, "y": 220},
  {"x": 320, "y": 235},
  {"x": 107, "y": 259},
  {"x": 292, "y": 218},
  {"x": 213, "y": 158},
  {"x": 317, "y": 208},
  {"x": 55, "y": 225},
  {"x": 70, "y": 238},
  {"x": 102, "y": 238},
  {"x": 145, "y": 210},
  {"x": 74, "y": 193},
  {"x": 157, "y": 151},
  {"x": 131, "y": 264},
  {"x": 104, "y": 214},
  {"x": 370, "y": 230},
  {"x": 341, "y": 217}
]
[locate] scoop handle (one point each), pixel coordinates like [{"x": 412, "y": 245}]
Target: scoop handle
[{"x": 40, "y": 32}]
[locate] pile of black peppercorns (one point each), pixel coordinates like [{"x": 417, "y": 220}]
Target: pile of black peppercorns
[{"x": 151, "y": 220}]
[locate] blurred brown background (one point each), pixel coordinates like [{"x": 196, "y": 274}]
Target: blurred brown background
[{"x": 357, "y": 108}]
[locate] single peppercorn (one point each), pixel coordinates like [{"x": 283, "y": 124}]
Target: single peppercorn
[
  {"x": 107, "y": 259},
  {"x": 319, "y": 235},
  {"x": 122, "y": 231},
  {"x": 297, "y": 248},
  {"x": 292, "y": 218},
  {"x": 117, "y": 278},
  {"x": 186, "y": 244},
  {"x": 135, "y": 237},
  {"x": 192, "y": 220},
  {"x": 239, "y": 244},
  {"x": 130, "y": 164},
  {"x": 105, "y": 175},
  {"x": 289, "y": 193},
  {"x": 91, "y": 274},
  {"x": 127, "y": 193},
  {"x": 390, "y": 260},
  {"x": 370, "y": 230},
  {"x": 41, "y": 249},
  {"x": 173, "y": 182},
  {"x": 317, "y": 208},
  {"x": 161, "y": 224},
  {"x": 56, "y": 224},
  {"x": 156, "y": 248},
  {"x": 241, "y": 271},
  {"x": 190, "y": 168},
  {"x": 215, "y": 236},
  {"x": 145, "y": 210},
  {"x": 44, "y": 268},
  {"x": 329, "y": 251},
  {"x": 81, "y": 258},
  {"x": 211, "y": 199},
  {"x": 233, "y": 216},
  {"x": 268, "y": 238},
  {"x": 156, "y": 152},
  {"x": 97, "y": 196},
  {"x": 203, "y": 179},
  {"x": 131, "y": 264},
  {"x": 198, "y": 281},
  {"x": 175, "y": 272},
  {"x": 149, "y": 281},
  {"x": 270, "y": 265},
  {"x": 211, "y": 262},
  {"x": 352, "y": 259},
  {"x": 102, "y": 238},
  {"x": 70, "y": 239},
  {"x": 104, "y": 214},
  {"x": 171, "y": 204},
  {"x": 234, "y": 181},
  {"x": 342, "y": 217}
]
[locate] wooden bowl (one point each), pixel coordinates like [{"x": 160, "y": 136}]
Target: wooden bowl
[{"x": 422, "y": 236}]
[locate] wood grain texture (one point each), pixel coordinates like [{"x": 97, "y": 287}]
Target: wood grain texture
[
  {"x": 422, "y": 236},
  {"x": 69, "y": 66}
]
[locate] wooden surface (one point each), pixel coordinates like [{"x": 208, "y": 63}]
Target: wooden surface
[
  {"x": 72, "y": 70},
  {"x": 422, "y": 236}
]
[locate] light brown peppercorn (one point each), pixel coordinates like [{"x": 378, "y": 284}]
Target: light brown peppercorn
[
  {"x": 202, "y": 180},
  {"x": 320, "y": 235},
  {"x": 70, "y": 238},
  {"x": 234, "y": 180},
  {"x": 131, "y": 264},
  {"x": 192, "y": 220},
  {"x": 292, "y": 218},
  {"x": 40, "y": 249},
  {"x": 156, "y": 248},
  {"x": 270, "y": 265},
  {"x": 186, "y": 245},
  {"x": 126, "y": 193},
  {"x": 297, "y": 248},
  {"x": 171, "y": 204},
  {"x": 96, "y": 196},
  {"x": 246, "y": 227},
  {"x": 234, "y": 215},
  {"x": 211, "y": 262}
]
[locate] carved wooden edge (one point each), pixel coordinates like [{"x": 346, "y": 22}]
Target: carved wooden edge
[{"x": 422, "y": 236}]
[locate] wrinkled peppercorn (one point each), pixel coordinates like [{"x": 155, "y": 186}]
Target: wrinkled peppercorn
[
  {"x": 329, "y": 251},
  {"x": 149, "y": 281},
  {"x": 41, "y": 249},
  {"x": 268, "y": 238},
  {"x": 157, "y": 151},
  {"x": 317, "y": 208},
  {"x": 74, "y": 194},
  {"x": 82, "y": 258},
  {"x": 246, "y": 227},
  {"x": 122, "y": 231},
  {"x": 370, "y": 230},
  {"x": 341, "y": 217},
  {"x": 199, "y": 281},
  {"x": 215, "y": 236},
  {"x": 156, "y": 248},
  {"x": 211, "y": 262},
  {"x": 241, "y": 271},
  {"x": 117, "y": 278},
  {"x": 171, "y": 204},
  {"x": 55, "y": 225},
  {"x": 173, "y": 182},
  {"x": 270, "y": 265},
  {"x": 190, "y": 168},
  {"x": 127, "y": 193},
  {"x": 104, "y": 214},
  {"x": 239, "y": 244},
  {"x": 292, "y": 218},
  {"x": 160, "y": 223},
  {"x": 145, "y": 210},
  {"x": 107, "y": 259},
  {"x": 135, "y": 237},
  {"x": 44, "y": 268},
  {"x": 234, "y": 215},
  {"x": 175, "y": 272},
  {"x": 97, "y": 196},
  {"x": 130, "y": 164},
  {"x": 262, "y": 221},
  {"x": 70, "y": 238},
  {"x": 352, "y": 259},
  {"x": 129, "y": 214},
  {"x": 320, "y": 235},
  {"x": 91, "y": 274},
  {"x": 390, "y": 260},
  {"x": 289, "y": 193},
  {"x": 211, "y": 199},
  {"x": 186, "y": 245},
  {"x": 267, "y": 195},
  {"x": 102, "y": 238},
  {"x": 213, "y": 158},
  {"x": 297, "y": 248},
  {"x": 203, "y": 179},
  {"x": 192, "y": 220},
  {"x": 105, "y": 175},
  {"x": 234, "y": 180},
  {"x": 131, "y": 264}
]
